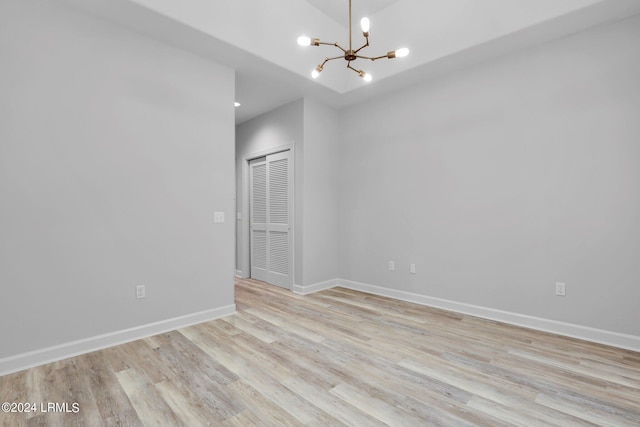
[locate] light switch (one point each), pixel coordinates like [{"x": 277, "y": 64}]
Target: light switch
[
  {"x": 218, "y": 217},
  {"x": 239, "y": 215}
]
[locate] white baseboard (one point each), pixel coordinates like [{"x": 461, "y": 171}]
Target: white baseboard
[
  {"x": 239, "y": 274},
  {"x": 316, "y": 287},
  {"x": 629, "y": 342},
  {"x": 51, "y": 354},
  {"x": 31, "y": 359}
]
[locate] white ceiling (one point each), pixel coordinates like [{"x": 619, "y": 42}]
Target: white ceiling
[
  {"x": 258, "y": 38},
  {"x": 338, "y": 9}
]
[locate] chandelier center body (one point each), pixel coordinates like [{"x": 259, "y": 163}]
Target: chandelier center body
[{"x": 350, "y": 55}]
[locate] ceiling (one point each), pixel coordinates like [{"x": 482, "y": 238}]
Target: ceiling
[
  {"x": 258, "y": 38},
  {"x": 338, "y": 9}
]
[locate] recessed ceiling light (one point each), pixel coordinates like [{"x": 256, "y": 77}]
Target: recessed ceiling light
[{"x": 236, "y": 104}]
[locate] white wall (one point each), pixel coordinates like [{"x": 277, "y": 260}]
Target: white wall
[
  {"x": 115, "y": 151},
  {"x": 321, "y": 142},
  {"x": 499, "y": 180}
]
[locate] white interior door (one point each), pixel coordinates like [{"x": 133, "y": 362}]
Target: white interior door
[
  {"x": 270, "y": 210},
  {"x": 258, "y": 217}
]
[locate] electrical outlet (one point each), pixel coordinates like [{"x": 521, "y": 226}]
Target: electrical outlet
[
  {"x": 392, "y": 265},
  {"x": 412, "y": 268},
  {"x": 218, "y": 217},
  {"x": 561, "y": 289},
  {"x": 141, "y": 292}
]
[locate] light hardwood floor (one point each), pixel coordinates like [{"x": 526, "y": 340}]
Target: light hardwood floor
[{"x": 338, "y": 357}]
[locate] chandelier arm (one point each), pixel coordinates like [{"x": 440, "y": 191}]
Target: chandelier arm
[
  {"x": 331, "y": 59},
  {"x": 328, "y": 44},
  {"x": 318, "y": 43},
  {"x": 373, "y": 58},
  {"x": 340, "y": 47},
  {"x": 351, "y": 68},
  {"x": 363, "y": 46}
]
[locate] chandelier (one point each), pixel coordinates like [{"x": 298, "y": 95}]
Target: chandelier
[{"x": 350, "y": 54}]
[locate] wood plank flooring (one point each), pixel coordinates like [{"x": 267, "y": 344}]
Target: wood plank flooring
[{"x": 338, "y": 357}]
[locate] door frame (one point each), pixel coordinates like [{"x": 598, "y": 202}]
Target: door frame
[{"x": 243, "y": 224}]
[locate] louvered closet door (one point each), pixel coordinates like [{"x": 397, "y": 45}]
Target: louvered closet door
[
  {"x": 271, "y": 238},
  {"x": 258, "y": 213}
]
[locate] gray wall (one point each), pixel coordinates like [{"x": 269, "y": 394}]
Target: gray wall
[
  {"x": 499, "y": 180},
  {"x": 311, "y": 129},
  {"x": 115, "y": 151},
  {"x": 322, "y": 142}
]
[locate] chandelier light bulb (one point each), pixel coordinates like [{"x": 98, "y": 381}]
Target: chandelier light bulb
[
  {"x": 315, "y": 73},
  {"x": 365, "y": 24},
  {"x": 365, "y": 76},
  {"x": 304, "y": 41},
  {"x": 402, "y": 52}
]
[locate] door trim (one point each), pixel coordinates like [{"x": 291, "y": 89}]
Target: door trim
[{"x": 243, "y": 242}]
